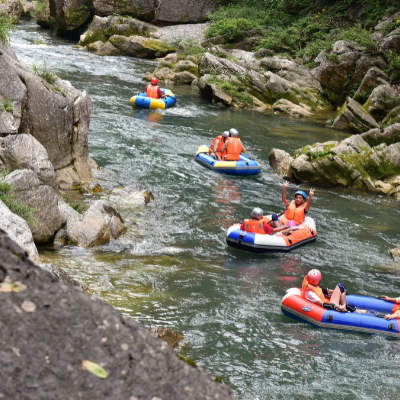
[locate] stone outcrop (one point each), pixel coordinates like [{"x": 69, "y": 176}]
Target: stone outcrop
[
  {"x": 43, "y": 14},
  {"x": 18, "y": 230},
  {"x": 73, "y": 327},
  {"x": 388, "y": 136},
  {"x": 353, "y": 117},
  {"x": 13, "y": 8},
  {"x": 130, "y": 196},
  {"x": 56, "y": 114},
  {"x": 381, "y": 101},
  {"x": 29, "y": 8},
  {"x": 287, "y": 107},
  {"x": 101, "y": 29},
  {"x": 181, "y": 11},
  {"x": 142, "y": 9},
  {"x": 66, "y": 16},
  {"x": 280, "y": 161},
  {"x": 97, "y": 226},
  {"x": 373, "y": 78}
]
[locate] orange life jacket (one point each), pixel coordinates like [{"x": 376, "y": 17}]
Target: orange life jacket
[
  {"x": 254, "y": 226},
  {"x": 296, "y": 214},
  {"x": 316, "y": 289},
  {"x": 233, "y": 150},
  {"x": 152, "y": 91},
  {"x": 220, "y": 144}
]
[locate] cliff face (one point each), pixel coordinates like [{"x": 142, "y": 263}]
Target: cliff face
[{"x": 47, "y": 328}]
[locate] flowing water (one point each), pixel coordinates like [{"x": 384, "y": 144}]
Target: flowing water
[{"x": 174, "y": 269}]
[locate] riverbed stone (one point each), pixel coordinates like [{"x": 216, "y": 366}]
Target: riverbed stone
[
  {"x": 142, "y": 9},
  {"x": 19, "y": 231},
  {"x": 43, "y": 200},
  {"x": 75, "y": 326},
  {"x": 354, "y": 117},
  {"x": 395, "y": 253},
  {"x": 183, "y": 11},
  {"x": 280, "y": 161}
]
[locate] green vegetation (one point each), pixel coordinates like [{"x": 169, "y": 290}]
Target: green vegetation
[
  {"x": 45, "y": 73},
  {"x": 6, "y": 105},
  {"x": 8, "y": 197},
  {"x": 236, "y": 91},
  {"x": 40, "y": 5},
  {"x": 394, "y": 66},
  {"x": 5, "y": 27},
  {"x": 192, "y": 49},
  {"x": 300, "y": 28}
]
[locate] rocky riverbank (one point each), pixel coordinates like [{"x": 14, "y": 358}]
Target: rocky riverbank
[{"x": 59, "y": 326}]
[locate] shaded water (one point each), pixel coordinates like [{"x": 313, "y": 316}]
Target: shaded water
[{"x": 174, "y": 269}]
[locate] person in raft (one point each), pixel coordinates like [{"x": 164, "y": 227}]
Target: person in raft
[
  {"x": 233, "y": 147},
  {"x": 396, "y": 313},
  {"x": 324, "y": 297},
  {"x": 153, "y": 90},
  {"x": 216, "y": 145},
  {"x": 257, "y": 225},
  {"x": 297, "y": 209}
]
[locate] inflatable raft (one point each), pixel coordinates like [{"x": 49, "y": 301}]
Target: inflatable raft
[
  {"x": 257, "y": 243},
  {"x": 142, "y": 101},
  {"x": 372, "y": 322},
  {"x": 246, "y": 166}
]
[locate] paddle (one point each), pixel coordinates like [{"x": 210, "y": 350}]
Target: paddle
[
  {"x": 173, "y": 97},
  {"x": 254, "y": 149}
]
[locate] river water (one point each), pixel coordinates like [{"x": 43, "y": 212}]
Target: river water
[{"x": 174, "y": 269}]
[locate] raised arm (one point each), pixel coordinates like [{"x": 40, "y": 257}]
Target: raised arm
[
  {"x": 284, "y": 199},
  {"x": 310, "y": 196}
]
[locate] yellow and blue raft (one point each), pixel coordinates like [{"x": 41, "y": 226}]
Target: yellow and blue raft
[
  {"x": 246, "y": 166},
  {"x": 142, "y": 101}
]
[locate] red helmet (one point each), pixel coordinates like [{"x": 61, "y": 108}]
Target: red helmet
[
  {"x": 314, "y": 277},
  {"x": 154, "y": 81}
]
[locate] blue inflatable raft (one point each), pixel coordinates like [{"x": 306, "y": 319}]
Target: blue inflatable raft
[
  {"x": 372, "y": 322},
  {"x": 142, "y": 101},
  {"x": 246, "y": 166}
]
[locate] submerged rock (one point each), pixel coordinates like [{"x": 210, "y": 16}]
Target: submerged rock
[
  {"x": 174, "y": 339},
  {"x": 74, "y": 327},
  {"x": 395, "y": 253},
  {"x": 130, "y": 195}
]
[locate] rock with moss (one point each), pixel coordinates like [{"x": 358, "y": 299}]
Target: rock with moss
[
  {"x": 67, "y": 16},
  {"x": 373, "y": 78},
  {"x": 138, "y": 46},
  {"x": 186, "y": 65},
  {"x": 142, "y": 9},
  {"x": 383, "y": 99},
  {"x": 353, "y": 117},
  {"x": 96, "y": 46},
  {"x": 185, "y": 78},
  {"x": 13, "y": 8},
  {"x": 391, "y": 43},
  {"x": 183, "y": 11},
  {"x": 388, "y": 136},
  {"x": 165, "y": 75},
  {"x": 287, "y": 107},
  {"x": 101, "y": 29},
  {"x": 108, "y": 50},
  {"x": 43, "y": 14},
  {"x": 174, "y": 339},
  {"x": 393, "y": 117},
  {"x": 30, "y": 8}
]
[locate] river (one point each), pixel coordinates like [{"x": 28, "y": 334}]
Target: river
[{"x": 173, "y": 267}]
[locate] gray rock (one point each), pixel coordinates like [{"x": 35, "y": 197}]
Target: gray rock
[
  {"x": 29, "y": 8},
  {"x": 184, "y": 77},
  {"x": 280, "y": 162},
  {"x": 351, "y": 145},
  {"x": 43, "y": 14},
  {"x": 391, "y": 43},
  {"x": 381, "y": 101},
  {"x": 67, "y": 16},
  {"x": 42, "y": 199},
  {"x": 387, "y": 20},
  {"x": 130, "y": 195},
  {"x": 287, "y": 107},
  {"x": 181, "y": 11},
  {"x": 186, "y": 65},
  {"x": 109, "y": 50},
  {"x": 382, "y": 187},
  {"x": 13, "y": 8},
  {"x": 96, "y": 46},
  {"x": 142, "y": 9},
  {"x": 60, "y": 274},
  {"x": 353, "y": 117},
  {"x": 76, "y": 326},
  {"x": 389, "y": 135},
  {"x": 302, "y": 169},
  {"x": 163, "y": 74},
  {"x": 19, "y": 231},
  {"x": 372, "y": 79},
  {"x": 393, "y": 117},
  {"x": 25, "y": 152},
  {"x": 137, "y": 46},
  {"x": 395, "y": 253}
]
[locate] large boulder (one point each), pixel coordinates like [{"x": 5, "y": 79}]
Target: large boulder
[
  {"x": 67, "y": 16},
  {"x": 181, "y": 11},
  {"x": 287, "y": 107},
  {"x": 138, "y": 46},
  {"x": 383, "y": 98},
  {"x": 43, "y": 14},
  {"x": 48, "y": 329},
  {"x": 391, "y": 43},
  {"x": 29, "y": 8},
  {"x": 25, "y": 152},
  {"x": 97, "y": 226},
  {"x": 353, "y": 117},
  {"x": 101, "y": 29},
  {"x": 142, "y": 9},
  {"x": 280, "y": 161},
  {"x": 373, "y": 78},
  {"x": 52, "y": 110},
  {"x": 42, "y": 199},
  {"x": 18, "y": 230},
  {"x": 13, "y": 8}
]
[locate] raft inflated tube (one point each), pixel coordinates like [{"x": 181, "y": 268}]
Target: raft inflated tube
[
  {"x": 246, "y": 166},
  {"x": 142, "y": 101},
  {"x": 295, "y": 306},
  {"x": 257, "y": 243}
]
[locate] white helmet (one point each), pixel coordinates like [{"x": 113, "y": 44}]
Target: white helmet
[
  {"x": 234, "y": 132},
  {"x": 257, "y": 213},
  {"x": 225, "y": 134}
]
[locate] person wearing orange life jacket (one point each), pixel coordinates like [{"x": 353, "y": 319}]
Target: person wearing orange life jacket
[
  {"x": 216, "y": 145},
  {"x": 233, "y": 147},
  {"x": 297, "y": 209},
  {"x": 396, "y": 308},
  {"x": 153, "y": 91},
  {"x": 257, "y": 224},
  {"x": 324, "y": 297}
]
